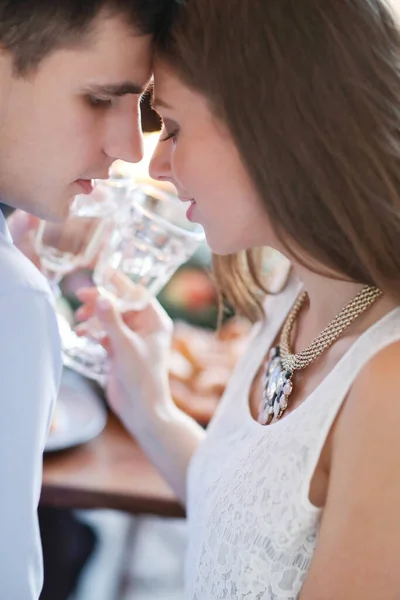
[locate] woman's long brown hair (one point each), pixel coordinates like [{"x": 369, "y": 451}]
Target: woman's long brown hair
[{"x": 310, "y": 91}]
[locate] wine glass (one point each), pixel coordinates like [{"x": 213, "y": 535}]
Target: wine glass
[
  {"x": 76, "y": 241},
  {"x": 62, "y": 247},
  {"x": 151, "y": 239}
]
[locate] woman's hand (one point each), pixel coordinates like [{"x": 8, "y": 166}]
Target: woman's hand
[
  {"x": 23, "y": 227},
  {"x": 138, "y": 344}
]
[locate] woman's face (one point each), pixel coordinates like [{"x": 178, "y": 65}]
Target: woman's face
[{"x": 196, "y": 153}]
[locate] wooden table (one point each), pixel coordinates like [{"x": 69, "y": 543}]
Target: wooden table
[{"x": 112, "y": 472}]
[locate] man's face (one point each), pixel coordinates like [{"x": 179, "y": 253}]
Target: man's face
[{"x": 64, "y": 124}]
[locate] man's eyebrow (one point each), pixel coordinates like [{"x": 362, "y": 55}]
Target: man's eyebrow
[{"x": 117, "y": 89}]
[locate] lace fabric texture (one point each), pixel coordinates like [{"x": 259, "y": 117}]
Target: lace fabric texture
[{"x": 252, "y": 528}]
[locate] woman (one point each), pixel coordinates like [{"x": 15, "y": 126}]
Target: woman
[{"x": 281, "y": 128}]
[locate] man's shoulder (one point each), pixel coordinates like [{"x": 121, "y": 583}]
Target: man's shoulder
[
  {"x": 27, "y": 318},
  {"x": 18, "y": 274}
]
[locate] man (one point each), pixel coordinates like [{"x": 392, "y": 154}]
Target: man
[{"x": 71, "y": 76}]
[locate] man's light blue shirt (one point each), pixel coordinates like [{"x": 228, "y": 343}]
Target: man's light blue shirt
[{"x": 30, "y": 371}]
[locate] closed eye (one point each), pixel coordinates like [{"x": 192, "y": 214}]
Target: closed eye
[
  {"x": 169, "y": 136},
  {"x": 170, "y": 129},
  {"x": 97, "y": 102}
]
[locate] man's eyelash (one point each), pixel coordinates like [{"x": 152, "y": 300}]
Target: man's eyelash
[{"x": 100, "y": 102}]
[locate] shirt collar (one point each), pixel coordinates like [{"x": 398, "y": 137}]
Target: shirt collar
[{"x": 4, "y": 231}]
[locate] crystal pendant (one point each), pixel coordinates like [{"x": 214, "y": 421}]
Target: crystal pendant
[{"x": 277, "y": 387}]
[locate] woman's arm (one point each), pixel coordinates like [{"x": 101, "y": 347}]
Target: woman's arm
[
  {"x": 169, "y": 438},
  {"x": 358, "y": 550},
  {"x": 138, "y": 388}
]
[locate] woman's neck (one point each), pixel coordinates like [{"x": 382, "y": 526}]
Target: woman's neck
[{"x": 326, "y": 298}]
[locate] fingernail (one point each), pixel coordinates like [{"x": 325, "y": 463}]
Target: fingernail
[
  {"x": 79, "y": 313},
  {"x": 103, "y": 304}
]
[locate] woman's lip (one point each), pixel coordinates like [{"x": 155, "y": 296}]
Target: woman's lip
[
  {"x": 182, "y": 199},
  {"x": 86, "y": 185}
]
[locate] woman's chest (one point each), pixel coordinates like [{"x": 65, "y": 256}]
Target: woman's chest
[
  {"x": 246, "y": 511},
  {"x": 305, "y": 384}
]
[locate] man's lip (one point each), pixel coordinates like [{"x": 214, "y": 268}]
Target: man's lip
[
  {"x": 86, "y": 185},
  {"x": 189, "y": 212},
  {"x": 182, "y": 199}
]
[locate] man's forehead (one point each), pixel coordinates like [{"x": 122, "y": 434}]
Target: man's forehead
[
  {"x": 113, "y": 73},
  {"x": 108, "y": 30},
  {"x": 114, "y": 39},
  {"x": 115, "y": 61},
  {"x": 127, "y": 56}
]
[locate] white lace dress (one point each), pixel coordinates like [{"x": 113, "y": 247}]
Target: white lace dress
[{"x": 252, "y": 527}]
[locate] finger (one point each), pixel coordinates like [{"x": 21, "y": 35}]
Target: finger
[
  {"x": 151, "y": 317},
  {"x": 83, "y": 330},
  {"x": 87, "y": 294},
  {"x": 85, "y": 312},
  {"x": 133, "y": 319},
  {"x": 112, "y": 324}
]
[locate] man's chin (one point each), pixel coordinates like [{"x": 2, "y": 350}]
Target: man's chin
[
  {"x": 55, "y": 208},
  {"x": 54, "y": 213},
  {"x": 58, "y": 211},
  {"x": 49, "y": 214}
]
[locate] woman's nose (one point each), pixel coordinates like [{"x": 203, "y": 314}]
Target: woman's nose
[{"x": 160, "y": 163}]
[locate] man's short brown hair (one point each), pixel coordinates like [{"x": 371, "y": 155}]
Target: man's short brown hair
[{"x": 32, "y": 29}]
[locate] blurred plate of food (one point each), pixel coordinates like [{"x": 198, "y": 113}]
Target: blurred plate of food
[
  {"x": 79, "y": 414},
  {"x": 201, "y": 364}
]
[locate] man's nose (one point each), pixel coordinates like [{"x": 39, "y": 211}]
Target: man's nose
[{"x": 124, "y": 136}]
